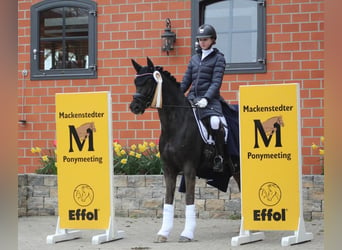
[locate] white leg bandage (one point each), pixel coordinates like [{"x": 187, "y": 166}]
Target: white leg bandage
[
  {"x": 190, "y": 222},
  {"x": 168, "y": 214}
]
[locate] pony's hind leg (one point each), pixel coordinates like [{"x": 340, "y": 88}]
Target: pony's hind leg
[{"x": 168, "y": 209}]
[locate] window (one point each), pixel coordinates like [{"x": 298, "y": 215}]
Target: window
[
  {"x": 241, "y": 31},
  {"x": 63, "y": 40}
]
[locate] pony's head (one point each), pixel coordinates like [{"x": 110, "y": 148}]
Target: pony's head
[{"x": 145, "y": 85}]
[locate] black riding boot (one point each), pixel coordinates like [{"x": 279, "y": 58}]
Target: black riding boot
[{"x": 218, "y": 136}]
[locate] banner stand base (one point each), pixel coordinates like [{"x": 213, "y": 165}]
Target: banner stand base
[
  {"x": 110, "y": 235},
  {"x": 102, "y": 238},
  {"x": 62, "y": 235},
  {"x": 299, "y": 236},
  {"x": 65, "y": 235},
  {"x": 246, "y": 236}
]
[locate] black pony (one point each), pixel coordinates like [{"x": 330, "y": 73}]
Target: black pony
[{"x": 182, "y": 148}]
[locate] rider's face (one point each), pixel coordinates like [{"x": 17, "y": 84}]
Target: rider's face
[{"x": 205, "y": 43}]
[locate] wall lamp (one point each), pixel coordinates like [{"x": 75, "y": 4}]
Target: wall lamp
[{"x": 168, "y": 37}]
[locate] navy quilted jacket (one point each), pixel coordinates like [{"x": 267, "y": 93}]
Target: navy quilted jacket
[{"x": 204, "y": 78}]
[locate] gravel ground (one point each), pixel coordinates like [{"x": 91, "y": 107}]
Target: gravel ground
[{"x": 139, "y": 234}]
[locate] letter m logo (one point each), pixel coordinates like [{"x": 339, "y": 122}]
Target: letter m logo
[
  {"x": 80, "y": 136},
  {"x": 266, "y": 131}
]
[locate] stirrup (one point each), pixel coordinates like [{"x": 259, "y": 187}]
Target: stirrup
[{"x": 218, "y": 163}]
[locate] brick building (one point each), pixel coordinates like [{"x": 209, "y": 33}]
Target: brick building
[{"x": 125, "y": 29}]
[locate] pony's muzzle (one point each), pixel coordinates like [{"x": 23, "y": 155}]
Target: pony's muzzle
[
  {"x": 139, "y": 104},
  {"x": 136, "y": 108}
]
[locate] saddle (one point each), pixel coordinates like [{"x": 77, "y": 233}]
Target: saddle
[{"x": 219, "y": 180}]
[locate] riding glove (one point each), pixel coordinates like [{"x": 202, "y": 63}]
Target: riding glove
[{"x": 202, "y": 103}]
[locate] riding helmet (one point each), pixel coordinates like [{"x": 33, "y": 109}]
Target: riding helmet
[{"x": 206, "y": 30}]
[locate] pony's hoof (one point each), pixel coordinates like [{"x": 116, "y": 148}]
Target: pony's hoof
[
  {"x": 184, "y": 239},
  {"x": 160, "y": 239}
]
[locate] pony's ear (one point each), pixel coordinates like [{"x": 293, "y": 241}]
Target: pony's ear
[
  {"x": 150, "y": 63},
  {"x": 136, "y": 65}
]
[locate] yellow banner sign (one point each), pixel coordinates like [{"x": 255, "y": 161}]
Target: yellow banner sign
[
  {"x": 84, "y": 159},
  {"x": 270, "y": 156}
]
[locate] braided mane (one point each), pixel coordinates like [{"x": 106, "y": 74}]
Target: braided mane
[{"x": 168, "y": 75}]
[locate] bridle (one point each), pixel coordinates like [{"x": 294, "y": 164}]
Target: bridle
[{"x": 141, "y": 99}]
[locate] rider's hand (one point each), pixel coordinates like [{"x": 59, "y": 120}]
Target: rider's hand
[{"x": 202, "y": 103}]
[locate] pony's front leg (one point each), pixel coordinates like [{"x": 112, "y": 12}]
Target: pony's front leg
[
  {"x": 190, "y": 209},
  {"x": 168, "y": 209}
]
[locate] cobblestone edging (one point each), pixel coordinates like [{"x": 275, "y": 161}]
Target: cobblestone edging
[{"x": 142, "y": 196}]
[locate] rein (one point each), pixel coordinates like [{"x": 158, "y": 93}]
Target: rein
[{"x": 180, "y": 106}]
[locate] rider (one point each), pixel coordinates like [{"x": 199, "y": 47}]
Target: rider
[{"x": 204, "y": 74}]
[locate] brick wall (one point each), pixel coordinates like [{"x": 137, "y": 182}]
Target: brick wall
[
  {"x": 132, "y": 29},
  {"x": 143, "y": 196}
]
